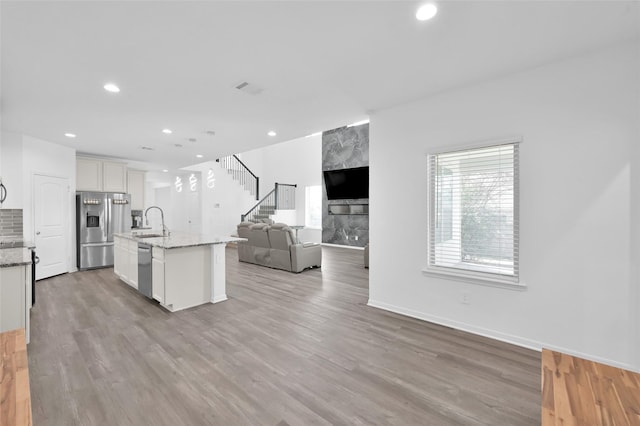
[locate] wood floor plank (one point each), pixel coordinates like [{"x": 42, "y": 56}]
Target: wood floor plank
[
  {"x": 15, "y": 397},
  {"x": 577, "y": 391},
  {"x": 285, "y": 349}
]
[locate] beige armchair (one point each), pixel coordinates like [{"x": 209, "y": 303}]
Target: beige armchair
[
  {"x": 285, "y": 249},
  {"x": 274, "y": 246}
]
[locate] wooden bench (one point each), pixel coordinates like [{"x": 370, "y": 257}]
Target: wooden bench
[
  {"x": 15, "y": 396},
  {"x": 579, "y": 392}
]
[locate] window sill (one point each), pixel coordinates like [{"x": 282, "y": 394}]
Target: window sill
[{"x": 474, "y": 278}]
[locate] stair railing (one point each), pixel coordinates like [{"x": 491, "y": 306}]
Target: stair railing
[
  {"x": 241, "y": 173},
  {"x": 282, "y": 197}
]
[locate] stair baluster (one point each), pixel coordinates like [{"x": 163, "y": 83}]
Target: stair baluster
[{"x": 241, "y": 174}]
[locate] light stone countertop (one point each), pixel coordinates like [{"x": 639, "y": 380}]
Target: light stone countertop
[
  {"x": 179, "y": 239},
  {"x": 14, "y": 257}
]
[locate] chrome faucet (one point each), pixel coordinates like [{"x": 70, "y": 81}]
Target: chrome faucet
[{"x": 165, "y": 230}]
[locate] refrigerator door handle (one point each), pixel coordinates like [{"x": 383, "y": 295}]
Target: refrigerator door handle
[
  {"x": 107, "y": 218},
  {"x": 103, "y": 244}
]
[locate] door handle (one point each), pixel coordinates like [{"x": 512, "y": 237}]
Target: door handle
[
  {"x": 38, "y": 233},
  {"x": 3, "y": 192}
]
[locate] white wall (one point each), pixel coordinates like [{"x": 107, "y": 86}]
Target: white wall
[
  {"x": 22, "y": 157},
  {"x": 579, "y": 243},
  {"x": 11, "y": 169},
  {"x": 46, "y": 158},
  {"x": 222, "y": 204},
  {"x": 634, "y": 295},
  {"x": 162, "y": 199},
  {"x": 299, "y": 162}
]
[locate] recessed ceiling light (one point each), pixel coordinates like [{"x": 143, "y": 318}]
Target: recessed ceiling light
[
  {"x": 146, "y": 148},
  {"x": 167, "y": 131},
  {"x": 165, "y": 171},
  {"x": 211, "y": 132},
  {"x": 193, "y": 140},
  {"x": 70, "y": 135},
  {"x": 110, "y": 87},
  {"x": 426, "y": 12},
  {"x": 271, "y": 133},
  {"x": 178, "y": 145},
  {"x": 199, "y": 155}
]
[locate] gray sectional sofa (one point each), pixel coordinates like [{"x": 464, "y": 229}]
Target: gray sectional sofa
[{"x": 275, "y": 246}]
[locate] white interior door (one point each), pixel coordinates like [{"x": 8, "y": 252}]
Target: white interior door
[
  {"x": 194, "y": 213},
  {"x": 50, "y": 210}
]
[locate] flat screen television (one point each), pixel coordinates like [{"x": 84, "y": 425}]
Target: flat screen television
[{"x": 345, "y": 184}]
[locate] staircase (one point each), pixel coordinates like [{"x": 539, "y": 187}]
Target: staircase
[
  {"x": 281, "y": 197},
  {"x": 241, "y": 174},
  {"x": 264, "y": 212}
]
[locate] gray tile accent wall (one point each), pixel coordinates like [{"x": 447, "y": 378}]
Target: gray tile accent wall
[
  {"x": 10, "y": 222},
  {"x": 344, "y": 148}
]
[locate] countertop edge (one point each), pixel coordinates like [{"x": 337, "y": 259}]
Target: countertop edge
[
  {"x": 10, "y": 257},
  {"x": 161, "y": 242}
]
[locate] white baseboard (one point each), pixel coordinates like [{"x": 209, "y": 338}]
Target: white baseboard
[
  {"x": 221, "y": 298},
  {"x": 496, "y": 335}
]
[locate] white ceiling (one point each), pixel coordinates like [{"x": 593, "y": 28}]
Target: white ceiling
[{"x": 321, "y": 65}]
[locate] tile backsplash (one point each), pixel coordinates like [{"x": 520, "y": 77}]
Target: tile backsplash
[{"x": 10, "y": 222}]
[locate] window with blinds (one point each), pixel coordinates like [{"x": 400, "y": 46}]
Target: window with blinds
[{"x": 473, "y": 212}]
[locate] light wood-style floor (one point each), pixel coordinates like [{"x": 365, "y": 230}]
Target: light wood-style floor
[{"x": 286, "y": 349}]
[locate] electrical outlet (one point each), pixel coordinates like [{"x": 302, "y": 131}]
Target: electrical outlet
[{"x": 465, "y": 298}]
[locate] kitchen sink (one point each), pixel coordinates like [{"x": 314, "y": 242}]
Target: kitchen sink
[{"x": 148, "y": 236}]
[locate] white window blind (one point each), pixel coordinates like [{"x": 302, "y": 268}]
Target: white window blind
[{"x": 473, "y": 212}]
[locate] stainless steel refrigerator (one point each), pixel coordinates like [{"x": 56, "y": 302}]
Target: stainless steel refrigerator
[{"x": 98, "y": 216}]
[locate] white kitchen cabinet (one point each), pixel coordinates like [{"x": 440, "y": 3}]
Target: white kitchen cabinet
[
  {"x": 94, "y": 174},
  {"x": 187, "y": 277},
  {"x": 15, "y": 284},
  {"x": 88, "y": 174},
  {"x": 135, "y": 185},
  {"x": 133, "y": 266},
  {"x": 120, "y": 257},
  {"x": 114, "y": 177},
  {"x": 125, "y": 260},
  {"x": 157, "y": 274}
]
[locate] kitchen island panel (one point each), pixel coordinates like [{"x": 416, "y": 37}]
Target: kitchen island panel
[{"x": 187, "y": 277}]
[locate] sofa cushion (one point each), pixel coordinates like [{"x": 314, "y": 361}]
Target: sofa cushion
[
  {"x": 244, "y": 229},
  {"x": 281, "y": 237},
  {"x": 259, "y": 236}
]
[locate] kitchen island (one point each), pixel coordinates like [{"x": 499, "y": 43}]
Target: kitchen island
[{"x": 186, "y": 270}]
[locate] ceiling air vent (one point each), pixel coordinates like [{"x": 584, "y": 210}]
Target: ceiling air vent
[{"x": 248, "y": 88}]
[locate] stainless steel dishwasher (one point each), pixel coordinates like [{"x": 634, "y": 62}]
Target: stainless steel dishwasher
[{"x": 145, "y": 285}]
